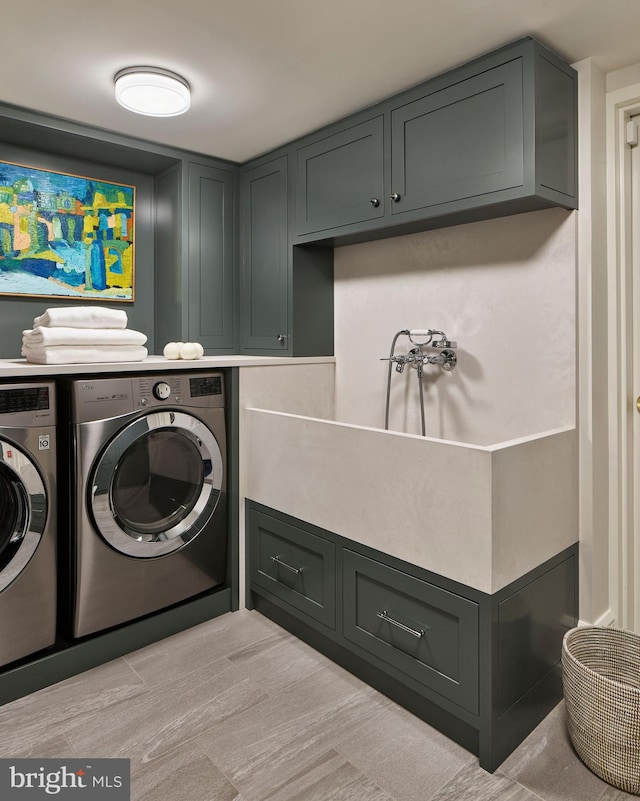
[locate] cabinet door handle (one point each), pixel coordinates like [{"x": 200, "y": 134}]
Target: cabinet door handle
[
  {"x": 395, "y": 197},
  {"x": 276, "y": 560},
  {"x": 282, "y": 338},
  {"x": 419, "y": 633},
  {"x": 374, "y": 202}
]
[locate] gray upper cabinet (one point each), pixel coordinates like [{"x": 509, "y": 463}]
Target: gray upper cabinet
[
  {"x": 556, "y": 125},
  {"x": 340, "y": 178},
  {"x": 264, "y": 317},
  {"x": 500, "y": 141},
  {"x": 496, "y": 136},
  {"x": 459, "y": 143},
  {"x": 286, "y": 293},
  {"x": 493, "y": 137},
  {"x": 210, "y": 256}
]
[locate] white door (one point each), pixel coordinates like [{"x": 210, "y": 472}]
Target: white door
[{"x": 629, "y": 556}]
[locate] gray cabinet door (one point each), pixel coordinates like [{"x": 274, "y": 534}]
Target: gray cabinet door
[
  {"x": 210, "y": 232},
  {"x": 459, "y": 143},
  {"x": 293, "y": 565},
  {"x": 340, "y": 179},
  {"x": 264, "y": 287},
  {"x": 420, "y": 629}
]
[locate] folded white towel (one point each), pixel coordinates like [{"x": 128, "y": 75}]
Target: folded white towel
[
  {"x": 85, "y": 355},
  {"x": 42, "y": 336},
  {"x": 82, "y": 317}
]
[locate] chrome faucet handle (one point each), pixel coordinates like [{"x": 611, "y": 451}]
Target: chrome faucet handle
[{"x": 450, "y": 359}]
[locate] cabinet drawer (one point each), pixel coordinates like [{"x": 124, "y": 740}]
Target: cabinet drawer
[
  {"x": 426, "y": 632},
  {"x": 294, "y": 565}
]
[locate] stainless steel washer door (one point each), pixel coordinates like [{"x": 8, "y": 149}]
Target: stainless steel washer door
[
  {"x": 23, "y": 511},
  {"x": 156, "y": 484}
]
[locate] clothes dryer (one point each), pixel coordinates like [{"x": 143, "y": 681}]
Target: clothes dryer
[
  {"x": 149, "y": 500},
  {"x": 27, "y": 519}
]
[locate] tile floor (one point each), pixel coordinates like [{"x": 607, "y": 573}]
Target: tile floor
[{"x": 237, "y": 709}]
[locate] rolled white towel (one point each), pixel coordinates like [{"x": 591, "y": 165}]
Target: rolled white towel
[
  {"x": 82, "y": 317},
  {"x": 43, "y": 336},
  {"x": 85, "y": 355}
]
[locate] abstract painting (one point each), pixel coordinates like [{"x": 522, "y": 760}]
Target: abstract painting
[{"x": 65, "y": 235}]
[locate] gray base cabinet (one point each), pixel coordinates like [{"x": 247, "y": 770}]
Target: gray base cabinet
[
  {"x": 295, "y": 565},
  {"x": 421, "y": 629},
  {"x": 484, "y": 669}
]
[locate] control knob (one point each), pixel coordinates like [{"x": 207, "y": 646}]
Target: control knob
[{"x": 161, "y": 390}]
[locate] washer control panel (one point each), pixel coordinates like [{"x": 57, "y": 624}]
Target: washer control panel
[
  {"x": 24, "y": 405},
  {"x": 205, "y": 390},
  {"x": 150, "y": 390},
  {"x": 205, "y": 386},
  {"x": 106, "y": 398}
]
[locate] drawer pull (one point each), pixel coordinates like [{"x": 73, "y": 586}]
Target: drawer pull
[
  {"x": 415, "y": 632},
  {"x": 278, "y": 561}
]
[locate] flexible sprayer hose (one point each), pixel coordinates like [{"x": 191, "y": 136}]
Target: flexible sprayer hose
[{"x": 405, "y": 332}]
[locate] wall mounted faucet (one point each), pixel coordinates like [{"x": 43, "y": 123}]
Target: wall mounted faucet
[{"x": 417, "y": 357}]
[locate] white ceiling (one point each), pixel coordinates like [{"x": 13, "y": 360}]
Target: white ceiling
[{"x": 264, "y": 72}]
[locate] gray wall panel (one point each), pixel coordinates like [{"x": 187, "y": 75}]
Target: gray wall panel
[{"x": 170, "y": 280}]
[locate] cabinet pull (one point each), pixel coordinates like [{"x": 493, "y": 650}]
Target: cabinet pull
[
  {"x": 419, "y": 633},
  {"x": 278, "y": 561},
  {"x": 395, "y": 197},
  {"x": 374, "y": 202},
  {"x": 282, "y": 338}
]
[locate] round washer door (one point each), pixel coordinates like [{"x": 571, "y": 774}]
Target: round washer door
[
  {"x": 156, "y": 484},
  {"x": 23, "y": 511}
]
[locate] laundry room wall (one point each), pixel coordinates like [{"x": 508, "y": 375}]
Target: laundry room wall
[
  {"x": 17, "y": 313},
  {"x": 504, "y": 289}
]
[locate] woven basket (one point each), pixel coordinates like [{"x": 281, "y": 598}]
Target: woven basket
[{"x": 601, "y": 676}]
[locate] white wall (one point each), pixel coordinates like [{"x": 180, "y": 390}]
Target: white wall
[{"x": 504, "y": 289}]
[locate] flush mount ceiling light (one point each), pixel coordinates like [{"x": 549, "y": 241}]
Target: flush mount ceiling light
[{"x": 152, "y": 91}]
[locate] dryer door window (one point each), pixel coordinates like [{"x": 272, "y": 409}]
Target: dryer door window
[
  {"x": 23, "y": 511},
  {"x": 156, "y": 484}
]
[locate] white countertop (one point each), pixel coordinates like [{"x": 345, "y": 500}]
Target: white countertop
[{"x": 21, "y": 368}]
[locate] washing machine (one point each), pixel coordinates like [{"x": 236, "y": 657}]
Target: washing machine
[
  {"x": 149, "y": 494},
  {"x": 27, "y": 519}
]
